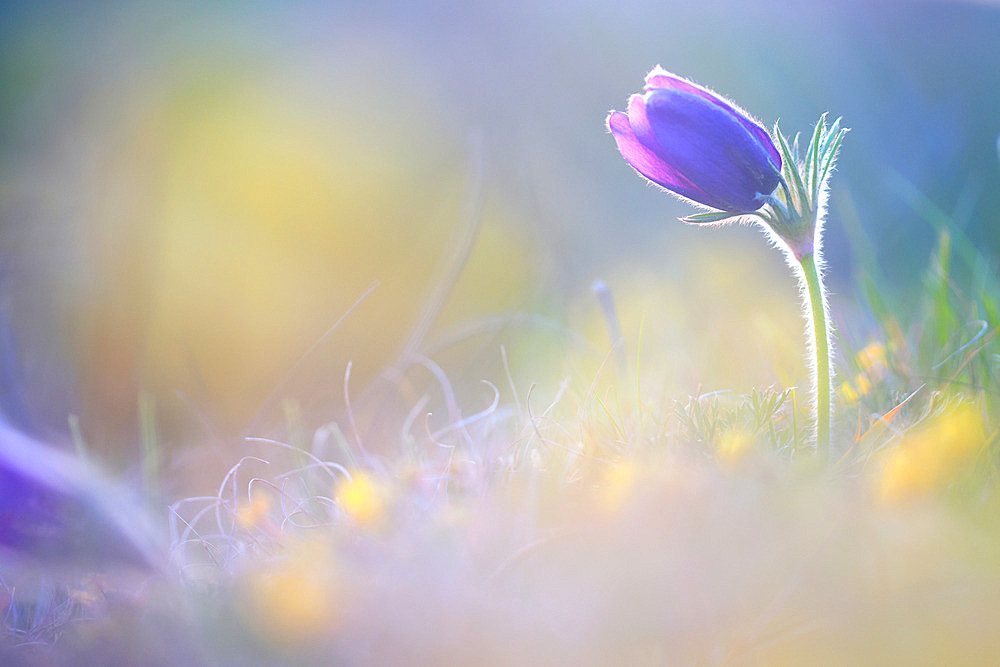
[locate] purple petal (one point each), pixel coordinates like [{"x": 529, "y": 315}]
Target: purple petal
[
  {"x": 645, "y": 161},
  {"x": 54, "y": 509},
  {"x": 642, "y": 129},
  {"x": 710, "y": 146},
  {"x": 661, "y": 79}
]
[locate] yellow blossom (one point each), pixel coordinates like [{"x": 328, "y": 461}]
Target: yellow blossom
[
  {"x": 872, "y": 356},
  {"x": 616, "y": 486},
  {"x": 862, "y": 384},
  {"x": 853, "y": 391},
  {"x": 931, "y": 456},
  {"x": 872, "y": 362},
  {"x": 362, "y": 498},
  {"x": 296, "y": 599},
  {"x": 733, "y": 444}
]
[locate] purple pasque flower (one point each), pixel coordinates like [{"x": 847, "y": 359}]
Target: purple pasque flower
[
  {"x": 697, "y": 144},
  {"x": 56, "y": 510}
]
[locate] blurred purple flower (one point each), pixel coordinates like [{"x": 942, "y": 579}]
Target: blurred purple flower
[
  {"x": 56, "y": 510},
  {"x": 697, "y": 144}
]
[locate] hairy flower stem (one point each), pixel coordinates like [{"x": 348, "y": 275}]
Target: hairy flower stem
[
  {"x": 796, "y": 225},
  {"x": 821, "y": 352}
]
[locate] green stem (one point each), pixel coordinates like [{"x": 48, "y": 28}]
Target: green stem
[{"x": 821, "y": 364}]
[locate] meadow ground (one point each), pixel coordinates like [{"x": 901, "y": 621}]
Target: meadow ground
[{"x": 603, "y": 524}]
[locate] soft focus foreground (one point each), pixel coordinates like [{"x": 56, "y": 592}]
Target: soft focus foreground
[
  {"x": 694, "y": 532},
  {"x": 585, "y": 528},
  {"x": 192, "y": 200}
]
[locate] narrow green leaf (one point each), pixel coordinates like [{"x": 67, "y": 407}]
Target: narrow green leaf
[
  {"x": 711, "y": 216},
  {"x": 793, "y": 168},
  {"x": 947, "y": 319},
  {"x": 832, "y": 135},
  {"x": 778, "y": 206},
  {"x": 991, "y": 312},
  {"x": 812, "y": 157},
  {"x": 829, "y": 136},
  {"x": 767, "y": 216},
  {"x": 831, "y": 154}
]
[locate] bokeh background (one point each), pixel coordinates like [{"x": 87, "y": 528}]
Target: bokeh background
[{"x": 192, "y": 195}]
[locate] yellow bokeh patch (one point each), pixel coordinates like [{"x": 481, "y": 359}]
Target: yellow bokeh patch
[
  {"x": 733, "y": 444},
  {"x": 363, "y": 498},
  {"x": 296, "y": 599},
  {"x": 933, "y": 454}
]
